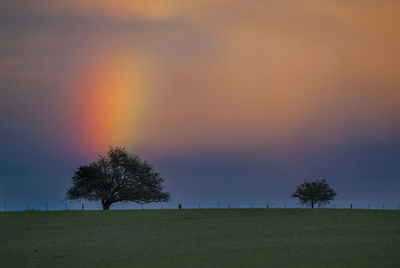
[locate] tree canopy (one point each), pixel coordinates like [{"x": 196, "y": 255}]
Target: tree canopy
[
  {"x": 317, "y": 192},
  {"x": 115, "y": 177}
]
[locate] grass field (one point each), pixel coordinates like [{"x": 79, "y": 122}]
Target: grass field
[{"x": 201, "y": 238}]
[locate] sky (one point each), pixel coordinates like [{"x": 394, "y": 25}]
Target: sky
[{"x": 230, "y": 100}]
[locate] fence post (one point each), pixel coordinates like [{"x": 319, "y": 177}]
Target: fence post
[
  {"x": 267, "y": 205},
  {"x": 351, "y": 206}
]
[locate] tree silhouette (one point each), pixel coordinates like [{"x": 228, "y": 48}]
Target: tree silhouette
[
  {"x": 316, "y": 192},
  {"x": 117, "y": 176}
]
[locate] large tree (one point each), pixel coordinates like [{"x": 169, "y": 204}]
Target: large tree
[
  {"x": 317, "y": 192},
  {"x": 115, "y": 177}
]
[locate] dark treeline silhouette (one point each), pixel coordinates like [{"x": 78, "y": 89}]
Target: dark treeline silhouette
[{"x": 119, "y": 176}]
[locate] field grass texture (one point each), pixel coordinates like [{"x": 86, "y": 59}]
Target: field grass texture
[{"x": 201, "y": 238}]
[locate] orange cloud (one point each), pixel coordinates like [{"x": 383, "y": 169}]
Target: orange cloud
[
  {"x": 235, "y": 74},
  {"x": 282, "y": 74},
  {"x": 155, "y": 9}
]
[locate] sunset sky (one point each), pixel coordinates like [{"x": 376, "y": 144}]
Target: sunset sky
[{"x": 230, "y": 100}]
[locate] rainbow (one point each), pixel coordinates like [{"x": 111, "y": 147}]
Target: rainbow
[{"x": 110, "y": 99}]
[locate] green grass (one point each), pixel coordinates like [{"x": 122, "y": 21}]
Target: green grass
[{"x": 201, "y": 238}]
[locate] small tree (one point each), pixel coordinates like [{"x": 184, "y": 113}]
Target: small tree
[
  {"x": 317, "y": 192},
  {"x": 115, "y": 177}
]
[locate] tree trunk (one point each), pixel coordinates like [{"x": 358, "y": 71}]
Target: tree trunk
[
  {"x": 312, "y": 204},
  {"x": 106, "y": 204}
]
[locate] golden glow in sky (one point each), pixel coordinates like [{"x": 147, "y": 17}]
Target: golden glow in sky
[
  {"x": 224, "y": 74},
  {"x": 231, "y": 95}
]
